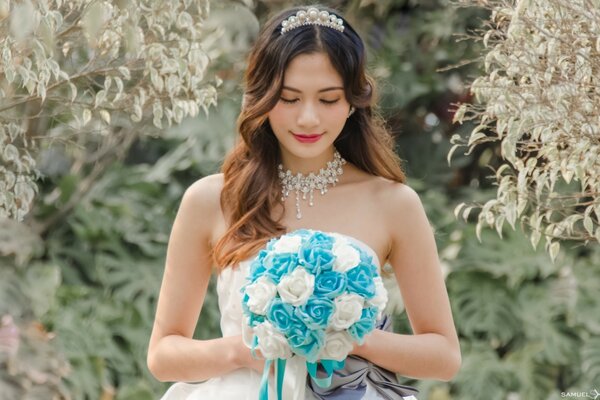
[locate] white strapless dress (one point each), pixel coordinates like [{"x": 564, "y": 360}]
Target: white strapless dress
[{"x": 244, "y": 383}]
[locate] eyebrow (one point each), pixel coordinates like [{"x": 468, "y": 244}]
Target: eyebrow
[{"x": 327, "y": 89}]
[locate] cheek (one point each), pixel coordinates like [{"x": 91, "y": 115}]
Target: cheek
[
  {"x": 339, "y": 112},
  {"x": 336, "y": 116},
  {"x": 278, "y": 116}
]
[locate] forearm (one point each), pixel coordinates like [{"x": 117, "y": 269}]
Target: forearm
[
  {"x": 424, "y": 356},
  {"x": 178, "y": 358}
]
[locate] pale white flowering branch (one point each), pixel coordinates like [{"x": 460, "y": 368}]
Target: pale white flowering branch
[
  {"x": 540, "y": 100},
  {"x": 93, "y": 70}
]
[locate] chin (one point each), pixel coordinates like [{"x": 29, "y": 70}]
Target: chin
[{"x": 308, "y": 151}]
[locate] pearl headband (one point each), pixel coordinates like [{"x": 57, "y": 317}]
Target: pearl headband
[{"x": 312, "y": 16}]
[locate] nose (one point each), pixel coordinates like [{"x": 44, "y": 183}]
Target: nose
[{"x": 308, "y": 116}]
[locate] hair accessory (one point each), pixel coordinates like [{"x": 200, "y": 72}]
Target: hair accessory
[
  {"x": 307, "y": 184},
  {"x": 312, "y": 16}
]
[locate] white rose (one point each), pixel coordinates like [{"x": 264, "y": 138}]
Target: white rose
[
  {"x": 381, "y": 296},
  {"x": 337, "y": 346},
  {"x": 271, "y": 343},
  {"x": 260, "y": 293},
  {"x": 296, "y": 287},
  {"x": 346, "y": 256},
  {"x": 288, "y": 244},
  {"x": 348, "y": 309}
]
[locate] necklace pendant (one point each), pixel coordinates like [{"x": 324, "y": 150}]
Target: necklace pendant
[{"x": 307, "y": 184}]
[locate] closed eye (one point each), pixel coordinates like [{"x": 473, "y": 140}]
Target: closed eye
[{"x": 292, "y": 101}]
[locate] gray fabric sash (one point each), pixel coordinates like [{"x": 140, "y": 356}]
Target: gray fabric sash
[{"x": 350, "y": 383}]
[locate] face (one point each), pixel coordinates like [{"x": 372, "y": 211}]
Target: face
[{"x": 313, "y": 104}]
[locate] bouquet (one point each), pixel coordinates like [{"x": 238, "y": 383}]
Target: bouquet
[{"x": 311, "y": 294}]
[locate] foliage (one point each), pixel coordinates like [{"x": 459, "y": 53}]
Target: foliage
[
  {"x": 112, "y": 272},
  {"x": 81, "y": 274},
  {"x": 92, "y": 73},
  {"x": 92, "y": 226},
  {"x": 107, "y": 256},
  {"x": 31, "y": 364},
  {"x": 539, "y": 100},
  {"x": 525, "y": 324}
]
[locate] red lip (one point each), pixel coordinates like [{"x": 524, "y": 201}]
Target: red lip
[{"x": 307, "y": 138}]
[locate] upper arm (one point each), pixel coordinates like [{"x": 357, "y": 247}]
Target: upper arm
[
  {"x": 415, "y": 262},
  {"x": 188, "y": 263}
]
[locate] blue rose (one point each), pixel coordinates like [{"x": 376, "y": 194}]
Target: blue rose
[
  {"x": 360, "y": 281},
  {"x": 369, "y": 261},
  {"x": 316, "y": 313},
  {"x": 297, "y": 332},
  {"x": 281, "y": 315},
  {"x": 257, "y": 267},
  {"x": 279, "y": 264},
  {"x": 330, "y": 284},
  {"x": 320, "y": 239},
  {"x": 316, "y": 259},
  {"x": 364, "y": 325},
  {"x": 306, "y": 342}
]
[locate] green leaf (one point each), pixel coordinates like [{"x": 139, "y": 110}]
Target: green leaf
[
  {"x": 536, "y": 379},
  {"x": 542, "y": 309},
  {"x": 483, "y": 305},
  {"x": 590, "y": 364},
  {"x": 67, "y": 185},
  {"x": 482, "y": 374}
]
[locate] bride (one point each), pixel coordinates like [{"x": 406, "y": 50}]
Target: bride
[{"x": 307, "y": 118}]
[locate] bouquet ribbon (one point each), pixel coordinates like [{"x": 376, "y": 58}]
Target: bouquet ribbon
[{"x": 328, "y": 365}]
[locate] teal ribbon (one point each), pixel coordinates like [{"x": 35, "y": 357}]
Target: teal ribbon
[
  {"x": 264, "y": 383},
  {"x": 329, "y": 366},
  {"x": 253, "y": 348},
  {"x": 280, "y": 363},
  {"x": 280, "y": 370}
]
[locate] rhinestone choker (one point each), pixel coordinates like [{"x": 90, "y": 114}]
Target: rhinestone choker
[{"x": 307, "y": 184}]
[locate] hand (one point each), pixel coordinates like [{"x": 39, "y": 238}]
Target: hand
[
  {"x": 244, "y": 359},
  {"x": 257, "y": 364}
]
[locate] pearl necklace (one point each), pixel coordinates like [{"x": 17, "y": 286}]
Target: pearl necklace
[{"x": 307, "y": 184}]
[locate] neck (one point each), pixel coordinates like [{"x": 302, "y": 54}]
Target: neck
[{"x": 306, "y": 165}]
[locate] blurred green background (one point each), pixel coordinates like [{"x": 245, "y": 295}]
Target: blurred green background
[{"x": 82, "y": 292}]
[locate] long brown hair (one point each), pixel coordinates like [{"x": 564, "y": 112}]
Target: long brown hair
[{"x": 251, "y": 187}]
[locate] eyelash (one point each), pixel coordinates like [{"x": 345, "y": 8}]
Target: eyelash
[{"x": 295, "y": 100}]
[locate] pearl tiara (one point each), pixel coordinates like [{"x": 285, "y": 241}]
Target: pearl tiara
[{"x": 312, "y": 16}]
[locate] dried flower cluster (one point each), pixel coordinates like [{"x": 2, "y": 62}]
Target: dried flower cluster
[
  {"x": 540, "y": 98},
  {"x": 70, "y": 69}
]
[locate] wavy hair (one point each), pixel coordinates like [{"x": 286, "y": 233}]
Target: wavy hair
[{"x": 251, "y": 184}]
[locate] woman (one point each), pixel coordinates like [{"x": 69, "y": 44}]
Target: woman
[{"x": 308, "y": 109}]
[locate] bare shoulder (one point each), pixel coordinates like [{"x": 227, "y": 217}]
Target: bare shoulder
[
  {"x": 394, "y": 194},
  {"x": 201, "y": 200},
  {"x": 400, "y": 205},
  {"x": 205, "y": 191},
  {"x": 399, "y": 194},
  {"x": 383, "y": 189}
]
